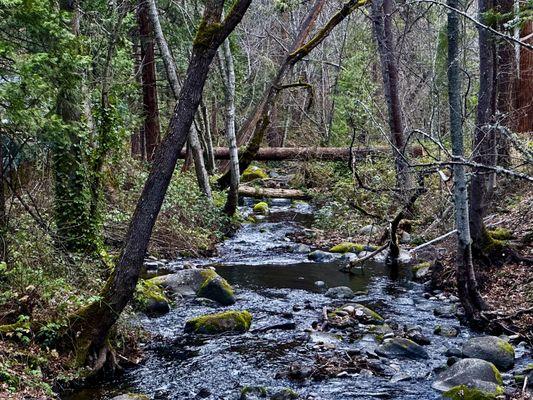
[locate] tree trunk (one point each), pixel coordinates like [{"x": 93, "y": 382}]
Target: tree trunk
[
  {"x": 149, "y": 82},
  {"x": 382, "y": 21},
  {"x": 301, "y": 153},
  {"x": 228, "y": 72},
  {"x": 90, "y": 325},
  {"x": 3, "y": 216},
  {"x": 135, "y": 138},
  {"x": 525, "y": 81},
  {"x": 466, "y": 279},
  {"x": 170, "y": 67},
  {"x": 484, "y": 144}
]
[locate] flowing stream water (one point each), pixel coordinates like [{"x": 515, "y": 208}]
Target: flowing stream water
[{"x": 275, "y": 281}]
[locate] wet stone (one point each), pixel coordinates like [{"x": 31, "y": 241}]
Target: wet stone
[
  {"x": 447, "y": 311},
  {"x": 492, "y": 349},
  {"x": 340, "y": 292},
  {"x": 402, "y": 348}
]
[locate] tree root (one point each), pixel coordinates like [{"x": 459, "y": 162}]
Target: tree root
[{"x": 105, "y": 361}]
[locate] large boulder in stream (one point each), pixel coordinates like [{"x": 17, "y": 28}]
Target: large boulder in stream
[
  {"x": 211, "y": 324},
  {"x": 322, "y": 256},
  {"x": 198, "y": 282},
  {"x": 471, "y": 373},
  {"x": 150, "y": 299},
  {"x": 340, "y": 292},
  {"x": 492, "y": 349},
  {"x": 401, "y": 348}
]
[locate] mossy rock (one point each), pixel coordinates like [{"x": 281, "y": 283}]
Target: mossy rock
[
  {"x": 285, "y": 394},
  {"x": 252, "y": 173},
  {"x": 229, "y": 321},
  {"x": 464, "y": 392},
  {"x": 150, "y": 298},
  {"x": 492, "y": 349},
  {"x": 401, "y": 348},
  {"x": 261, "y": 208},
  {"x": 253, "y": 392},
  {"x": 472, "y": 373},
  {"x": 347, "y": 247},
  {"x": 198, "y": 282},
  {"x": 216, "y": 288}
]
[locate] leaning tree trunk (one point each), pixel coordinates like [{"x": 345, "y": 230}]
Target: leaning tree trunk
[
  {"x": 466, "y": 279},
  {"x": 149, "y": 81},
  {"x": 382, "y": 21},
  {"x": 484, "y": 144},
  {"x": 172, "y": 76},
  {"x": 90, "y": 326},
  {"x": 228, "y": 72}
]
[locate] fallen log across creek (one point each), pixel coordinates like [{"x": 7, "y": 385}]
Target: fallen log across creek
[
  {"x": 301, "y": 153},
  {"x": 294, "y": 194}
]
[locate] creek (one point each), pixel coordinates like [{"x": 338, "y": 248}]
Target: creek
[{"x": 275, "y": 281}]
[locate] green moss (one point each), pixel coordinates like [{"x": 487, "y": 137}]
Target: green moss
[
  {"x": 216, "y": 288},
  {"x": 146, "y": 291},
  {"x": 285, "y": 394},
  {"x": 507, "y": 347},
  {"x": 497, "y": 374},
  {"x": 205, "y": 33},
  {"x": 229, "y": 321},
  {"x": 500, "y": 233},
  {"x": 252, "y": 173},
  {"x": 261, "y": 208},
  {"x": 347, "y": 247},
  {"x": 466, "y": 393},
  {"x": 261, "y": 391},
  {"x": 22, "y": 323},
  {"x": 421, "y": 266}
]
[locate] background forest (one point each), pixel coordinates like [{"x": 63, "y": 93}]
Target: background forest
[{"x": 130, "y": 132}]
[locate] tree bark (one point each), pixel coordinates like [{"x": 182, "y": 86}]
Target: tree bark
[
  {"x": 228, "y": 72},
  {"x": 465, "y": 275},
  {"x": 90, "y": 326},
  {"x": 300, "y": 153},
  {"x": 294, "y": 194},
  {"x": 172, "y": 76},
  {"x": 484, "y": 144},
  {"x": 151, "y": 129},
  {"x": 382, "y": 21}
]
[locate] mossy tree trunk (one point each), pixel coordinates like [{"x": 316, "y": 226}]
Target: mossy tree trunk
[{"x": 90, "y": 326}]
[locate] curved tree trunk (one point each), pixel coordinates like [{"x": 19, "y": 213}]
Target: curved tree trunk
[{"x": 90, "y": 326}]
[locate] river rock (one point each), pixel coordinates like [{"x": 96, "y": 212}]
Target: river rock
[
  {"x": 422, "y": 270},
  {"x": 349, "y": 257},
  {"x": 285, "y": 394},
  {"x": 472, "y": 373},
  {"x": 322, "y": 256},
  {"x": 402, "y": 348},
  {"x": 229, "y": 321},
  {"x": 492, "y": 349},
  {"x": 261, "y": 208},
  {"x": 340, "y": 292},
  {"x": 252, "y": 173},
  {"x": 198, "y": 282},
  {"x": 131, "y": 396},
  {"x": 253, "y": 393},
  {"x": 301, "y": 248},
  {"x": 363, "y": 314},
  {"x": 320, "y": 284},
  {"x": 446, "y": 331},
  {"x": 447, "y": 311},
  {"x": 369, "y": 230}
]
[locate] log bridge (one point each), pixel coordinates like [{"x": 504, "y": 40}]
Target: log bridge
[{"x": 300, "y": 153}]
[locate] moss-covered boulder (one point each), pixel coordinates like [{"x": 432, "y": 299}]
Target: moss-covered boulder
[
  {"x": 347, "y": 247},
  {"x": 229, "y": 321},
  {"x": 464, "y": 392},
  {"x": 472, "y": 373},
  {"x": 216, "y": 288},
  {"x": 362, "y": 313},
  {"x": 261, "y": 208},
  {"x": 150, "y": 299},
  {"x": 198, "y": 282},
  {"x": 491, "y": 349},
  {"x": 401, "y": 348},
  {"x": 252, "y": 173}
]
